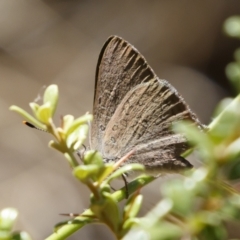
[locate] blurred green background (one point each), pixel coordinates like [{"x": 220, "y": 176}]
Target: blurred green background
[{"x": 46, "y": 42}]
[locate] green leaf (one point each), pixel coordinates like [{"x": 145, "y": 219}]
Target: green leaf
[
  {"x": 107, "y": 211},
  {"x": 34, "y": 106},
  {"x": 196, "y": 137},
  {"x": 129, "y": 223},
  {"x": 133, "y": 206},
  {"x": 225, "y": 127},
  {"x": 56, "y": 146},
  {"x": 7, "y": 218},
  {"x": 108, "y": 169},
  {"x": 221, "y": 106},
  {"x": 51, "y": 97},
  {"x": 158, "y": 212},
  {"x": 213, "y": 233},
  {"x": 85, "y": 172},
  {"x": 232, "y": 26},
  {"x": 232, "y": 207},
  {"x": 181, "y": 197},
  {"x": 44, "y": 113},
  {"x": 76, "y": 138},
  {"x": 126, "y": 168},
  {"x": 105, "y": 188},
  {"x": 78, "y": 122},
  {"x": 232, "y": 151},
  {"x": 21, "y": 236},
  {"x": 68, "y": 229},
  {"x": 158, "y": 231},
  {"x": 232, "y": 170},
  {"x": 67, "y": 122},
  {"x": 93, "y": 157},
  {"x": 79, "y": 221},
  {"x": 133, "y": 186},
  {"x": 233, "y": 74},
  {"x": 28, "y": 117}
]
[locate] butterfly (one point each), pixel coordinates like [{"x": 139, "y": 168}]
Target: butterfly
[{"x": 134, "y": 109}]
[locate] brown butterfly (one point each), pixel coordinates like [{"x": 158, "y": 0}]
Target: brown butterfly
[{"x": 134, "y": 109}]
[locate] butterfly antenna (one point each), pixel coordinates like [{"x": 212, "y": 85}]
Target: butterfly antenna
[
  {"x": 126, "y": 185},
  {"x": 33, "y": 126}
]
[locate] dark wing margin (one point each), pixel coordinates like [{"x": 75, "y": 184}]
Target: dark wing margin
[{"x": 98, "y": 64}]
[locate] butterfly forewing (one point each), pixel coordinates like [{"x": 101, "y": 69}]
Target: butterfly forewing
[
  {"x": 133, "y": 109},
  {"x": 120, "y": 68}
]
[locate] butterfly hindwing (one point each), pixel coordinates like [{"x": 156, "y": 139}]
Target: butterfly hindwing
[{"x": 143, "y": 121}]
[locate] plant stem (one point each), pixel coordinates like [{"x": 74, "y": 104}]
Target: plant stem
[{"x": 119, "y": 195}]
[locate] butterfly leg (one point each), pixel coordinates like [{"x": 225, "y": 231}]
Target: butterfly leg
[{"x": 126, "y": 185}]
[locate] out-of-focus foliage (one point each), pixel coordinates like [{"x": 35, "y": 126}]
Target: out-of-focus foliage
[
  {"x": 7, "y": 219},
  {"x": 232, "y": 28},
  {"x": 198, "y": 206}
]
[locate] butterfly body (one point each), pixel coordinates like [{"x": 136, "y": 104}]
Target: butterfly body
[{"x": 135, "y": 110}]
